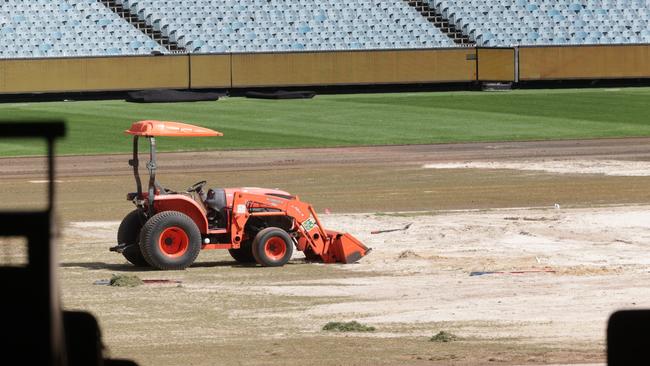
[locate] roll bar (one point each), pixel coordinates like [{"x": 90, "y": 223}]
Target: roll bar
[{"x": 150, "y": 129}]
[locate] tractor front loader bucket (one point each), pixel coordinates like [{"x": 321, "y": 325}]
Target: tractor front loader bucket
[{"x": 344, "y": 248}]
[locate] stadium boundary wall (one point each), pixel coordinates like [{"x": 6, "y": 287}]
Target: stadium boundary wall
[
  {"x": 223, "y": 71},
  {"x": 584, "y": 62},
  {"x": 353, "y": 68},
  {"x": 93, "y": 74},
  {"x": 298, "y": 69},
  {"x": 496, "y": 64}
]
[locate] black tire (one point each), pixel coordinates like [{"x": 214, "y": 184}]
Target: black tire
[
  {"x": 244, "y": 254},
  {"x": 129, "y": 234},
  {"x": 170, "y": 240},
  {"x": 272, "y": 247}
]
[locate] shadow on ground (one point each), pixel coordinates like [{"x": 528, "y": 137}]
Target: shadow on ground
[{"x": 132, "y": 268}]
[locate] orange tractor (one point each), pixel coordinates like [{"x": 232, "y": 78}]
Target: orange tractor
[{"x": 168, "y": 229}]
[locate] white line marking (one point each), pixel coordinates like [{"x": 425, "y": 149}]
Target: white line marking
[{"x": 44, "y": 181}]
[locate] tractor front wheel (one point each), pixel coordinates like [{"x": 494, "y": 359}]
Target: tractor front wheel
[
  {"x": 272, "y": 247},
  {"x": 170, "y": 240},
  {"x": 129, "y": 234}
]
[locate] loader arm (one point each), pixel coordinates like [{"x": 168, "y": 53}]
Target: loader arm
[{"x": 330, "y": 246}]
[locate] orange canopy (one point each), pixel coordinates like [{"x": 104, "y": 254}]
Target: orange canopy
[{"x": 165, "y": 128}]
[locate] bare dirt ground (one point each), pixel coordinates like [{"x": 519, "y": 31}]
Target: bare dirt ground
[{"x": 473, "y": 208}]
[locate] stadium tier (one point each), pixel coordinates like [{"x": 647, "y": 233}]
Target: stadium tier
[
  {"x": 543, "y": 22},
  {"x": 46, "y": 28},
  {"x": 277, "y": 25}
]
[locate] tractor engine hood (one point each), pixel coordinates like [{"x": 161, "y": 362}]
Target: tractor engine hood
[{"x": 254, "y": 190}]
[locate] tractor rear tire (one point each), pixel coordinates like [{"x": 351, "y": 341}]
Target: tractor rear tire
[
  {"x": 129, "y": 234},
  {"x": 272, "y": 247},
  {"x": 170, "y": 240},
  {"x": 244, "y": 254}
]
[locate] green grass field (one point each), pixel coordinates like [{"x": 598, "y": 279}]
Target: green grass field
[{"x": 95, "y": 127}]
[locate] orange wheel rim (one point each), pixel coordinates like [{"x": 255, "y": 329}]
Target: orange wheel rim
[
  {"x": 173, "y": 242},
  {"x": 275, "y": 248}
]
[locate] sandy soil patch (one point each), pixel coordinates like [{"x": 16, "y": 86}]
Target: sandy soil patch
[
  {"x": 598, "y": 256},
  {"x": 605, "y": 167},
  {"x": 421, "y": 276}
]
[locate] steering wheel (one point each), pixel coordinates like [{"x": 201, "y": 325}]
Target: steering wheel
[{"x": 197, "y": 187}]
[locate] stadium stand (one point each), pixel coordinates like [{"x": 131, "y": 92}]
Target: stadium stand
[
  {"x": 232, "y": 44},
  {"x": 58, "y": 28},
  {"x": 276, "y": 25},
  {"x": 549, "y": 22},
  {"x": 63, "y": 28}
]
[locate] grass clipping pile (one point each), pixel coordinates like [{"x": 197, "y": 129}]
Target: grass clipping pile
[
  {"x": 443, "y": 337},
  {"x": 352, "y": 326},
  {"x": 125, "y": 281}
]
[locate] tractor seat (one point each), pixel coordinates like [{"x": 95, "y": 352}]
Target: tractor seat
[
  {"x": 215, "y": 202},
  {"x": 216, "y": 199}
]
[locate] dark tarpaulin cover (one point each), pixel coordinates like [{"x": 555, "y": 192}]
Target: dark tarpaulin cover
[
  {"x": 281, "y": 94},
  {"x": 168, "y": 96}
]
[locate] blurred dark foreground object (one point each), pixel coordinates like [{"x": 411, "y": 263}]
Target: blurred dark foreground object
[
  {"x": 83, "y": 341},
  {"x": 628, "y": 338},
  {"x": 35, "y": 330}
]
